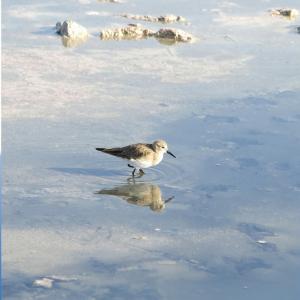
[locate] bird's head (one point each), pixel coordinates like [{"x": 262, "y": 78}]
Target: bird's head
[{"x": 161, "y": 146}]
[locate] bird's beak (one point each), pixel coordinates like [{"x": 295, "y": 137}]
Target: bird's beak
[{"x": 171, "y": 153}]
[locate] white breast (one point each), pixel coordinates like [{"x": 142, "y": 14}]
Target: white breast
[
  {"x": 140, "y": 163},
  {"x": 144, "y": 163}
]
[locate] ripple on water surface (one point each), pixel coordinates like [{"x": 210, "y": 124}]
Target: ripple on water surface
[{"x": 111, "y": 171}]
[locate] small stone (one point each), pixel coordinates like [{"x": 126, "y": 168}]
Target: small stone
[
  {"x": 174, "y": 34},
  {"x": 261, "y": 242},
  {"x": 286, "y": 12},
  {"x": 92, "y": 13},
  {"x": 44, "y": 282},
  {"x": 58, "y": 27},
  {"x": 171, "y": 19},
  {"x": 140, "y": 238}
]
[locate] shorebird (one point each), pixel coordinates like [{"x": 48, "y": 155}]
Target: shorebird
[{"x": 140, "y": 155}]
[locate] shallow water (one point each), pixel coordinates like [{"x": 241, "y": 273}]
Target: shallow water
[{"x": 221, "y": 221}]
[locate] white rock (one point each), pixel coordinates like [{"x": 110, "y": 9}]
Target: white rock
[{"x": 71, "y": 29}]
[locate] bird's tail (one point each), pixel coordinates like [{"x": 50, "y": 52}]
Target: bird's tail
[{"x": 111, "y": 151}]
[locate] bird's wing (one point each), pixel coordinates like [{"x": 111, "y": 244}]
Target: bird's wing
[
  {"x": 136, "y": 151},
  {"x": 129, "y": 152},
  {"x": 112, "y": 151}
]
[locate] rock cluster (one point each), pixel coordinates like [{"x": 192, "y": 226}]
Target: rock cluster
[
  {"x": 130, "y": 32},
  {"x": 74, "y": 34},
  {"x": 136, "y": 31}
]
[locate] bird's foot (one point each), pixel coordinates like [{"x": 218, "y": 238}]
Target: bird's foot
[
  {"x": 139, "y": 175},
  {"x": 130, "y": 166}
]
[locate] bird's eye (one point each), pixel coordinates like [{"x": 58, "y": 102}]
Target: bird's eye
[{"x": 163, "y": 147}]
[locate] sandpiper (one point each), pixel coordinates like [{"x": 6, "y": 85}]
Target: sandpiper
[{"x": 140, "y": 155}]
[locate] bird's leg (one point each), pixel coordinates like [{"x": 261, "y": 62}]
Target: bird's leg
[
  {"x": 131, "y": 180},
  {"x": 133, "y": 172}
]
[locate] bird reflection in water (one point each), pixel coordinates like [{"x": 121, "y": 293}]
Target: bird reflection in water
[{"x": 141, "y": 194}]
